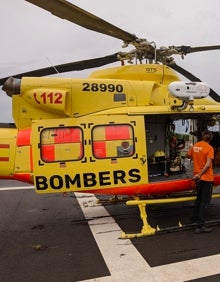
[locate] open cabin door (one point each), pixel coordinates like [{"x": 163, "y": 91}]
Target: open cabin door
[{"x": 102, "y": 154}]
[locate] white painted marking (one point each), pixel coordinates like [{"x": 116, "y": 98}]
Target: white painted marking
[
  {"x": 187, "y": 270},
  {"x": 124, "y": 261},
  {"x": 17, "y": 188}
]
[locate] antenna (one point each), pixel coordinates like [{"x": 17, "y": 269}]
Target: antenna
[{"x": 56, "y": 70}]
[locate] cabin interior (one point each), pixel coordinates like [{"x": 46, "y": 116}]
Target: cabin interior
[{"x": 168, "y": 140}]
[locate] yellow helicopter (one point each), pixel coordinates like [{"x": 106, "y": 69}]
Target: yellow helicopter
[{"x": 114, "y": 132}]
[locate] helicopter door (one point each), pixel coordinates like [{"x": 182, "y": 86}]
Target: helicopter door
[{"x": 95, "y": 154}]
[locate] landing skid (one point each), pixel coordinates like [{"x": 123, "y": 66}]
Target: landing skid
[
  {"x": 113, "y": 200},
  {"x": 147, "y": 229}
]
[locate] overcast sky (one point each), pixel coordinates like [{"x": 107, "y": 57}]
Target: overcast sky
[{"x": 31, "y": 37}]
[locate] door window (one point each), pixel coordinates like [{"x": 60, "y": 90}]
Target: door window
[
  {"x": 111, "y": 141},
  {"x": 61, "y": 144}
]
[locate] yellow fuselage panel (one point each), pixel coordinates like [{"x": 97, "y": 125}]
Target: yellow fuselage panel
[
  {"x": 125, "y": 86},
  {"x": 160, "y": 74},
  {"x": 7, "y": 151},
  {"x": 23, "y": 159}
]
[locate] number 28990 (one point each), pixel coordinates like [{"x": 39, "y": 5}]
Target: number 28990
[{"x": 102, "y": 87}]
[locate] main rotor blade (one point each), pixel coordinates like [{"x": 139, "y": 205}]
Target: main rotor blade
[
  {"x": 188, "y": 49},
  {"x": 65, "y": 10},
  {"x": 192, "y": 77},
  {"x": 74, "y": 66}
]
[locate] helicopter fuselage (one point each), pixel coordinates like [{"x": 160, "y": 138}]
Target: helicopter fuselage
[{"x": 103, "y": 134}]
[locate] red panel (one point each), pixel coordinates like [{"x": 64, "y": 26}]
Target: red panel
[
  {"x": 48, "y": 153},
  {"x": 99, "y": 149},
  {"x": 7, "y": 177},
  {"x": 161, "y": 188},
  {"x": 117, "y": 132},
  {"x": 23, "y": 137},
  {"x": 4, "y": 146},
  {"x": 4, "y": 159},
  {"x": 23, "y": 177}
]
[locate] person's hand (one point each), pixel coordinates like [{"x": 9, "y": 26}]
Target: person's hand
[{"x": 196, "y": 177}]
